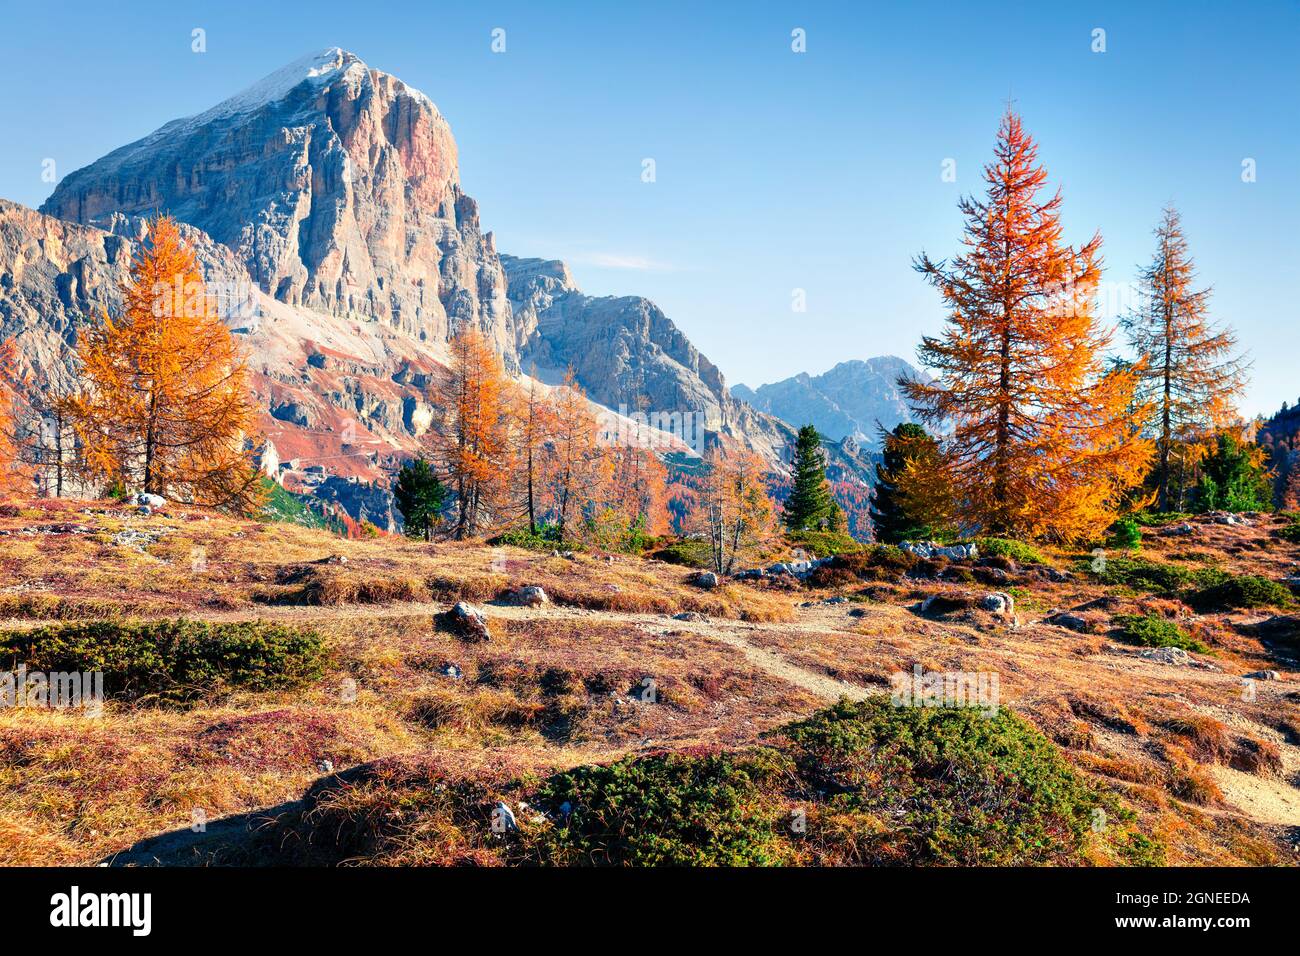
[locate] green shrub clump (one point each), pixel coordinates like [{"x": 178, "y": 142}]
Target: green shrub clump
[
  {"x": 689, "y": 552},
  {"x": 667, "y": 810},
  {"x": 1150, "y": 630},
  {"x": 879, "y": 784},
  {"x": 1126, "y": 533},
  {"x": 1141, "y": 574},
  {"x": 1159, "y": 519},
  {"x": 171, "y": 661},
  {"x": 824, "y": 544},
  {"x": 545, "y": 538},
  {"x": 948, "y": 785},
  {"x": 1015, "y": 550},
  {"x": 1242, "y": 591}
]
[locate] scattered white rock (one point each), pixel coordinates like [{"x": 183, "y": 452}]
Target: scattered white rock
[
  {"x": 503, "y": 819},
  {"x": 1167, "y": 655},
  {"x": 932, "y": 549},
  {"x": 705, "y": 579},
  {"x": 530, "y": 595},
  {"x": 796, "y": 568},
  {"x": 1227, "y": 517},
  {"x": 137, "y": 538},
  {"x": 470, "y": 621},
  {"x": 999, "y": 602}
]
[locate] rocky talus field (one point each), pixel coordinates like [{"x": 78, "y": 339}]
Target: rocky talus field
[{"x": 277, "y": 695}]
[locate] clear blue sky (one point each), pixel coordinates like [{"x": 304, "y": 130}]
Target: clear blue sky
[{"x": 775, "y": 170}]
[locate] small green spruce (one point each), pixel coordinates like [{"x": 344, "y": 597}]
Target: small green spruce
[
  {"x": 809, "y": 506},
  {"x": 892, "y": 523},
  {"x": 420, "y": 497},
  {"x": 1231, "y": 481}
]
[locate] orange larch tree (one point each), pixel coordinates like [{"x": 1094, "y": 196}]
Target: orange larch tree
[
  {"x": 581, "y": 469},
  {"x": 640, "y": 488},
  {"x": 41, "y": 437},
  {"x": 733, "y": 508},
  {"x": 1191, "y": 374},
  {"x": 13, "y": 476},
  {"x": 165, "y": 404},
  {"x": 1041, "y": 441},
  {"x": 534, "y": 455},
  {"x": 471, "y": 441}
]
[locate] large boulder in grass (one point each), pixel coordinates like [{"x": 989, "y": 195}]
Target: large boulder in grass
[
  {"x": 469, "y": 622},
  {"x": 943, "y": 603},
  {"x": 1082, "y": 623},
  {"x": 705, "y": 579},
  {"x": 1279, "y": 627},
  {"x": 1000, "y": 603},
  {"x": 1167, "y": 655},
  {"x": 530, "y": 595}
]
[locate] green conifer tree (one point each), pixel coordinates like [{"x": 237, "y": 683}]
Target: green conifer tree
[
  {"x": 1233, "y": 478},
  {"x": 809, "y": 504},
  {"x": 892, "y": 523},
  {"x": 420, "y": 497}
]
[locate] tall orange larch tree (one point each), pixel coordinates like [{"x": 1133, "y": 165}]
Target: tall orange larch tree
[
  {"x": 470, "y": 442},
  {"x": 733, "y": 509},
  {"x": 1191, "y": 374},
  {"x": 581, "y": 469},
  {"x": 534, "y": 455},
  {"x": 1041, "y": 440},
  {"x": 165, "y": 404},
  {"x": 640, "y": 488},
  {"x": 43, "y": 435}
]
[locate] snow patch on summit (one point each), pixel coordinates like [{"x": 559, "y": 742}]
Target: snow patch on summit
[{"x": 318, "y": 69}]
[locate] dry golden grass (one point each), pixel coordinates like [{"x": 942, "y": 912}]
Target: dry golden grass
[
  {"x": 563, "y": 685},
  {"x": 65, "y": 560}
]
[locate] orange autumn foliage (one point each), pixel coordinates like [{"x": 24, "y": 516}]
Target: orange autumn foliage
[
  {"x": 1191, "y": 376},
  {"x": 164, "y": 404},
  {"x": 581, "y": 469},
  {"x": 639, "y": 493},
  {"x": 733, "y": 509},
  {"x": 1044, "y": 441},
  {"x": 534, "y": 413},
  {"x": 13, "y": 477},
  {"x": 471, "y": 443}
]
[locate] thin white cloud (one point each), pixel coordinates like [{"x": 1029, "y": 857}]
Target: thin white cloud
[{"x": 612, "y": 260}]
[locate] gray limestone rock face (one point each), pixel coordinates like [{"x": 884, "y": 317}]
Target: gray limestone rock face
[{"x": 336, "y": 185}]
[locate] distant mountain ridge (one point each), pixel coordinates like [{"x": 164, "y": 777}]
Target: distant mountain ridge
[
  {"x": 849, "y": 401},
  {"x": 329, "y": 195}
]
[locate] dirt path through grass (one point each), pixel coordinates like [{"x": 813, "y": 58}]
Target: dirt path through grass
[{"x": 722, "y": 630}]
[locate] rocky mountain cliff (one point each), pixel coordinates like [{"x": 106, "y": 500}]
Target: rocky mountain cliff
[
  {"x": 627, "y": 354},
  {"x": 336, "y": 185},
  {"x": 326, "y": 202},
  {"x": 846, "y": 402}
]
